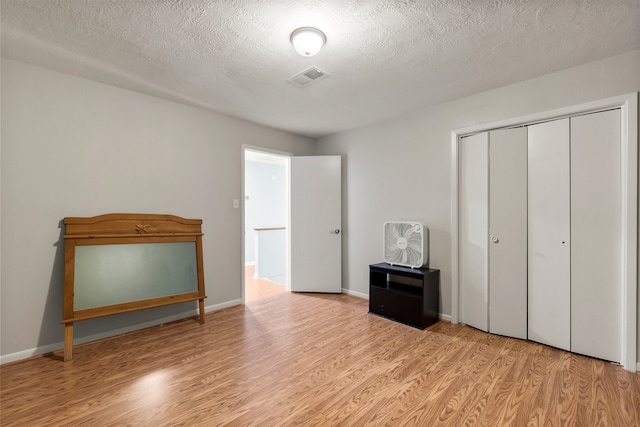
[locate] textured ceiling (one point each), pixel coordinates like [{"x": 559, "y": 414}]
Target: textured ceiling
[{"x": 383, "y": 58}]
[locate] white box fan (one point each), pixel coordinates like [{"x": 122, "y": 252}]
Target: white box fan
[{"x": 406, "y": 243}]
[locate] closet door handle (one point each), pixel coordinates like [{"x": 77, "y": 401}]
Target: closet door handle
[{"x": 494, "y": 239}]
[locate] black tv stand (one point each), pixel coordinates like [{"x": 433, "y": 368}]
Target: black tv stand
[{"x": 406, "y": 295}]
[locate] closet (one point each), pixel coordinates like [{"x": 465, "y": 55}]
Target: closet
[{"x": 540, "y": 233}]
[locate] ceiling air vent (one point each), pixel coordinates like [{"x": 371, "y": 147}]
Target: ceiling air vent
[{"x": 307, "y": 77}]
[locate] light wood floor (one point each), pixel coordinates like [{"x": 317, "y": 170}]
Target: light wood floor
[
  {"x": 257, "y": 289},
  {"x": 315, "y": 360}
]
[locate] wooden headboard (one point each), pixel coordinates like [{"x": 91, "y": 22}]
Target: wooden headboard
[{"x": 117, "y": 263}]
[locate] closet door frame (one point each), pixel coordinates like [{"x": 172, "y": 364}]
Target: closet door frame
[{"x": 628, "y": 105}]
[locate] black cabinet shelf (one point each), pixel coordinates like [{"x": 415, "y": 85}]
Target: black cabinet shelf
[{"x": 406, "y": 295}]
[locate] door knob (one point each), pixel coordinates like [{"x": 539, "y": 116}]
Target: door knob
[
  {"x": 494, "y": 239},
  {"x": 336, "y": 231}
]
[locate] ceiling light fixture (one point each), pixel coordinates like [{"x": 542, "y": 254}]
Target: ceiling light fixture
[{"x": 308, "y": 41}]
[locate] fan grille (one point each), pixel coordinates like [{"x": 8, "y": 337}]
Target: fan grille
[{"x": 404, "y": 243}]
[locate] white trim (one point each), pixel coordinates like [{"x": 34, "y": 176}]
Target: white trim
[
  {"x": 629, "y": 112},
  {"x": 455, "y": 268},
  {"x": 25, "y": 354},
  {"x": 226, "y": 304},
  {"x": 445, "y": 317},
  {"x": 629, "y": 132},
  {"x": 355, "y": 294}
]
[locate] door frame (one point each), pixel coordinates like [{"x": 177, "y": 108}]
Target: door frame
[
  {"x": 270, "y": 152},
  {"x": 629, "y": 130}
]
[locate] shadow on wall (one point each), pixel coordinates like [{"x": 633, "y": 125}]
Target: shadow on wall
[
  {"x": 441, "y": 260},
  {"x": 51, "y": 330}
]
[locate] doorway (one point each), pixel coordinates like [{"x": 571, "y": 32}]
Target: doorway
[{"x": 266, "y": 223}]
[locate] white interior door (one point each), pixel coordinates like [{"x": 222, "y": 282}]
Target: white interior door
[
  {"x": 473, "y": 231},
  {"x": 596, "y": 235},
  {"x": 316, "y": 229},
  {"x": 508, "y": 232},
  {"x": 549, "y": 275}
]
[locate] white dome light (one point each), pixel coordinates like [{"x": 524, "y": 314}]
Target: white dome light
[{"x": 308, "y": 41}]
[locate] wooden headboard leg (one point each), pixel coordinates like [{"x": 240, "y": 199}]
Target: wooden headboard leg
[{"x": 68, "y": 341}]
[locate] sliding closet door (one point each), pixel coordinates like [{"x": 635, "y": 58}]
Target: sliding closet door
[
  {"x": 473, "y": 231},
  {"x": 596, "y": 230},
  {"x": 549, "y": 252},
  {"x": 508, "y": 232}
]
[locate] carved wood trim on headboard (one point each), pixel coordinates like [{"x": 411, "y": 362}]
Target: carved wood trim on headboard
[{"x": 122, "y": 225}]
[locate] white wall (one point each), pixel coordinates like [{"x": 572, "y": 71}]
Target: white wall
[
  {"x": 400, "y": 169},
  {"x": 266, "y": 206},
  {"x": 73, "y": 147}
]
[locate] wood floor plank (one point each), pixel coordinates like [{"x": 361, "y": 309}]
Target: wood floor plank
[
  {"x": 315, "y": 360},
  {"x": 257, "y": 288}
]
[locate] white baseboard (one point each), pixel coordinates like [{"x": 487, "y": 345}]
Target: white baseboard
[
  {"x": 354, "y": 293},
  {"x": 25, "y": 354},
  {"x": 446, "y": 317},
  {"x": 216, "y": 307}
]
